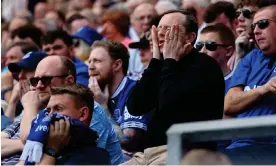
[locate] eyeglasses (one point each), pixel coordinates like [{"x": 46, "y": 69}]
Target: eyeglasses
[
  {"x": 46, "y": 80},
  {"x": 210, "y": 45},
  {"x": 247, "y": 13},
  {"x": 262, "y": 24}
]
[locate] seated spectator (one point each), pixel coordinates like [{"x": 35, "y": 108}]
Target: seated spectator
[
  {"x": 22, "y": 72},
  {"x": 253, "y": 91},
  {"x": 27, "y": 33},
  {"x": 222, "y": 12},
  {"x": 60, "y": 43},
  {"x": 115, "y": 25},
  {"x": 218, "y": 41},
  {"x": 65, "y": 73},
  {"x": 108, "y": 64},
  {"x": 83, "y": 40},
  {"x": 68, "y": 142},
  {"x": 245, "y": 40},
  {"x": 144, "y": 48},
  {"x": 75, "y": 22},
  {"x": 14, "y": 54},
  {"x": 141, "y": 20},
  {"x": 11, "y": 145},
  {"x": 177, "y": 78}
]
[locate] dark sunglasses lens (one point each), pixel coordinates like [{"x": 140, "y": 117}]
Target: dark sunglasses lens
[
  {"x": 211, "y": 46},
  {"x": 238, "y": 13},
  {"x": 34, "y": 81},
  {"x": 246, "y": 13},
  {"x": 199, "y": 46},
  {"x": 263, "y": 24},
  {"x": 46, "y": 80}
]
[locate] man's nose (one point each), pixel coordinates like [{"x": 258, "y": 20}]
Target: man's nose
[
  {"x": 40, "y": 85},
  {"x": 203, "y": 50}
]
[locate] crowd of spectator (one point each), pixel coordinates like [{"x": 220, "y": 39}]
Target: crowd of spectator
[{"x": 99, "y": 82}]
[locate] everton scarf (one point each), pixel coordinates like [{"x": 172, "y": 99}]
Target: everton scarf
[{"x": 33, "y": 149}]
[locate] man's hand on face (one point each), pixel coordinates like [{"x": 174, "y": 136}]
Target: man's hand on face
[
  {"x": 19, "y": 90},
  {"x": 35, "y": 100},
  {"x": 270, "y": 86},
  {"x": 242, "y": 41},
  {"x": 99, "y": 96},
  {"x": 175, "y": 43},
  {"x": 59, "y": 135},
  {"x": 155, "y": 43}
]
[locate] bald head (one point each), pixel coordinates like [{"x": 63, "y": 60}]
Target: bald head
[
  {"x": 142, "y": 16},
  {"x": 56, "y": 65},
  {"x": 271, "y": 9}
]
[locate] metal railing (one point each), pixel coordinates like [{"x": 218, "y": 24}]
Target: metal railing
[{"x": 216, "y": 130}]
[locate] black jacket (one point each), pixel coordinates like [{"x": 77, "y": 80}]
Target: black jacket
[{"x": 191, "y": 89}]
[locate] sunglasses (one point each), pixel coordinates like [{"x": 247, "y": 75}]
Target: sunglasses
[
  {"x": 46, "y": 80},
  {"x": 210, "y": 45},
  {"x": 262, "y": 24},
  {"x": 247, "y": 13}
]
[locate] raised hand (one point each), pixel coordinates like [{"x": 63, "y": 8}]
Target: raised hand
[
  {"x": 99, "y": 96},
  {"x": 175, "y": 43},
  {"x": 59, "y": 135},
  {"x": 155, "y": 43},
  {"x": 35, "y": 100}
]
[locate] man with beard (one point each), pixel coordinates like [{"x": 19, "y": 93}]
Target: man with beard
[{"x": 108, "y": 65}]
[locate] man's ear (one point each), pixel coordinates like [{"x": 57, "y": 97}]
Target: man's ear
[
  {"x": 190, "y": 37},
  {"x": 85, "y": 114},
  {"x": 229, "y": 51},
  {"x": 117, "y": 65},
  {"x": 70, "y": 79}
]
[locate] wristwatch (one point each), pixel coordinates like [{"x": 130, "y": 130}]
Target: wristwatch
[{"x": 50, "y": 152}]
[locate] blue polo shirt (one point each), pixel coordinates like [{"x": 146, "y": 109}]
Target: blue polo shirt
[
  {"x": 119, "y": 111},
  {"x": 81, "y": 72},
  {"x": 107, "y": 136},
  {"x": 253, "y": 71}
]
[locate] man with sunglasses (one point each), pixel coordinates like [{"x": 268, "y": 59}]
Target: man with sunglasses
[
  {"x": 245, "y": 40},
  {"x": 11, "y": 146},
  {"x": 218, "y": 41},
  {"x": 60, "y": 70},
  {"x": 253, "y": 91},
  {"x": 60, "y": 43}
]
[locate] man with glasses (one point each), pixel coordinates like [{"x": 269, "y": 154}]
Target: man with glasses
[
  {"x": 253, "y": 91},
  {"x": 218, "y": 41},
  {"x": 60, "y": 43},
  {"x": 60, "y": 70},
  {"x": 176, "y": 86},
  {"x": 140, "y": 20},
  {"x": 23, "y": 71}
]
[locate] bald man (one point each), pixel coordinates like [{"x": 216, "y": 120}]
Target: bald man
[{"x": 141, "y": 18}]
